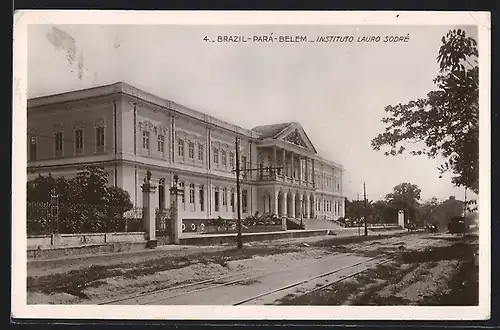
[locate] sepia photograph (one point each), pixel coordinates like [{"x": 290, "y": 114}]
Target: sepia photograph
[{"x": 251, "y": 165}]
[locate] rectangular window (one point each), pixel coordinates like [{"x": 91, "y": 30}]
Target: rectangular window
[
  {"x": 202, "y": 198},
  {"x": 161, "y": 143},
  {"x": 78, "y": 141},
  {"x": 33, "y": 148},
  {"x": 58, "y": 139},
  {"x": 244, "y": 162},
  {"x": 183, "y": 192},
  {"x": 191, "y": 193},
  {"x": 200, "y": 152},
  {"x": 244, "y": 204},
  {"x": 232, "y": 199},
  {"x": 216, "y": 156},
  {"x": 224, "y": 196},
  {"x": 231, "y": 159},
  {"x": 99, "y": 136},
  {"x": 145, "y": 140},
  {"x": 180, "y": 146},
  {"x": 223, "y": 156},
  {"x": 216, "y": 200},
  {"x": 191, "y": 150}
]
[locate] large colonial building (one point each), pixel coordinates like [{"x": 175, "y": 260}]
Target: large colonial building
[{"x": 128, "y": 131}]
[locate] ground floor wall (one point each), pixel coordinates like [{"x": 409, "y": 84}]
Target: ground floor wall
[
  {"x": 204, "y": 196},
  {"x": 208, "y": 196}
]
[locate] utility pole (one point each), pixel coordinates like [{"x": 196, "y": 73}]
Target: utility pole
[
  {"x": 240, "y": 240},
  {"x": 364, "y": 193},
  {"x": 237, "y": 170},
  {"x": 465, "y": 211}
]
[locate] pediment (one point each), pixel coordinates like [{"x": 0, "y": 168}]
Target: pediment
[
  {"x": 295, "y": 138},
  {"x": 296, "y": 135}
]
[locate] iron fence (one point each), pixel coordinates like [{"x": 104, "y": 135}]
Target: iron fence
[
  {"x": 163, "y": 223},
  {"x": 49, "y": 218}
]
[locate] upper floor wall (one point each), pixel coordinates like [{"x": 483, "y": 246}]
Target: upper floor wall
[
  {"x": 74, "y": 131},
  {"x": 120, "y": 122},
  {"x": 126, "y": 127}
]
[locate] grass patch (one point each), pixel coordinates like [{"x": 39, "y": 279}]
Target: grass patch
[
  {"x": 342, "y": 240},
  {"x": 463, "y": 287},
  {"x": 334, "y": 295},
  {"x": 74, "y": 282},
  {"x": 460, "y": 250}
]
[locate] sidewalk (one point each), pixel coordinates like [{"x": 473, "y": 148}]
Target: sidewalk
[{"x": 65, "y": 264}]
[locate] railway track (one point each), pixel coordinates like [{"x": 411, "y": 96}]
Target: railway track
[
  {"x": 357, "y": 266},
  {"x": 208, "y": 283}
]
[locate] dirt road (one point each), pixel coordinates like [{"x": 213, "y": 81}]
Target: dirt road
[{"x": 307, "y": 271}]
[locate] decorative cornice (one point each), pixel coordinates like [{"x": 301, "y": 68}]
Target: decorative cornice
[
  {"x": 99, "y": 122},
  {"x": 78, "y": 124},
  {"x": 33, "y": 131},
  {"x": 57, "y": 128}
]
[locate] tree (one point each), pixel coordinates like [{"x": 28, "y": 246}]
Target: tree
[
  {"x": 428, "y": 210},
  {"x": 86, "y": 203},
  {"x": 405, "y": 196},
  {"x": 355, "y": 210},
  {"x": 383, "y": 213},
  {"x": 446, "y": 122}
]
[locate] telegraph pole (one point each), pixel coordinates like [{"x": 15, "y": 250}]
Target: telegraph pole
[
  {"x": 237, "y": 170},
  {"x": 465, "y": 211},
  {"x": 364, "y": 193},
  {"x": 240, "y": 240}
]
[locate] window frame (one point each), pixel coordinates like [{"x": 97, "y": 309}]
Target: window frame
[{"x": 56, "y": 140}]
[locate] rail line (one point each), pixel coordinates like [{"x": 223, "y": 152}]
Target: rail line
[
  {"x": 209, "y": 281},
  {"x": 384, "y": 259},
  {"x": 241, "y": 277}
]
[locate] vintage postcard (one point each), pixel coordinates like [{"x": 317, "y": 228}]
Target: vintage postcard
[{"x": 251, "y": 165}]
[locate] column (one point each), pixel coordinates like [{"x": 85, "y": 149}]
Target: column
[
  {"x": 283, "y": 171},
  {"x": 274, "y": 157},
  {"x": 312, "y": 207},
  {"x": 307, "y": 207},
  {"x": 148, "y": 189},
  {"x": 313, "y": 173},
  {"x": 292, "y": 165},
  {"x": 300, "y": 169},
  {"x": 285, "y": 204},
  {"x": 306, "y": 160},
  {"x": 293, "y": 205},
  {"x": 275, "y": 201},
  {"x": 300, "y": 205}
]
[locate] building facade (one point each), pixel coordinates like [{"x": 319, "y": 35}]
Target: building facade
[{"x": 128, "y": 132}]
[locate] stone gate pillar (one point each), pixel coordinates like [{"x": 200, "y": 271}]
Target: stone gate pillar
[
  {"x": 401, "y": 218},
  {"x": 149, "y": 218},
  {"x": 176, "y": 220}
]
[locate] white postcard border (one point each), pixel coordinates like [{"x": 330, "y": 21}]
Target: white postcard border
[{"x": 21, "y": 310}]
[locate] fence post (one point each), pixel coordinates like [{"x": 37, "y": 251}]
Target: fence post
[
  {"x": 54, "y": 212},
  {"x": 148, "y": 188}
]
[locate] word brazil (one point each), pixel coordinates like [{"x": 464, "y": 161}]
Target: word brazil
[{"x": 257, "y": 39}]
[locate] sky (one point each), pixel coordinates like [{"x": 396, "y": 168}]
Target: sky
[{"x": 336, "y": 91}]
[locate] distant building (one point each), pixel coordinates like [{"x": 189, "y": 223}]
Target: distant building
[{"x": 128, "y": 131}]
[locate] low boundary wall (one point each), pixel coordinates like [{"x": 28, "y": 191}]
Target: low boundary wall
[
  {"x": 83, "y": 239},
  {"x": 209, "y": 239}
]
